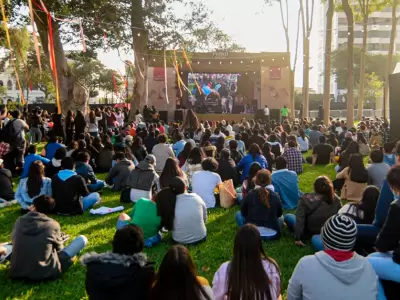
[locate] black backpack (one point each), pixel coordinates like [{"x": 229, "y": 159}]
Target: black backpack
[
  {"x": 276, "y": 150},
  {"x": 9, "y": 133}
]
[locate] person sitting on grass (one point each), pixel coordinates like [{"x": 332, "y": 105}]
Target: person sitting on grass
[
  {"x": 177, "y": 278},
  {"x": 193, "y": 163},
  {"x": 125, "y": 273},
  {"x": 182, "y": 213},
  {"x": 170, "y": 171},
  {"x": 85, "y": 170},
  {"x": 322, "y": 153},
  {"x": 35, "y": 185},
  {"x": 106, "y": 157},
  {"x": 386, "y": 261},
  {"x": 355, "y": 179},
  {"x": 70, "y": 190},
  {"x": 227, "y": 167},
  {"x": 119, "y": 174},
  {"x": 337, "y": 269},
  {"x": 251, "y": 274},
  {"x": 286, "y": 184},
  {"x": 50, "y": 149},
  {"x": 255, "y": 155},
  {"x": 30, "y": 158},
  {"x": 37, "y": 244},
  {"x": 204, "y": 182},
  {"x": 262, "y": 207},
  {"x": 162, "y": 151},
  {"x": 378, "y": 170},
  {"x": 6, "y": 186},
  {"x": 143, "y": 179},
  {"x": 313, "y": 210},
  {"x": 55, "y": 164},
  {"x": 363, "y": 212},
  {"x": 144, "y": 214}
]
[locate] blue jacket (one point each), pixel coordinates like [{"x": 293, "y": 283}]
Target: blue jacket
[
  {"x": 178, "y": 147},
  {"x": 22, "y": 195},
  {"x": 246, "y": 162},
  {"x": 51, "y": 149},
  {"x": 29, "y": 159},
  {"x": 390, "y": 159},
  {"x": 382, "y": 207},
  {"x": 86, "y": 171},
  {"x": 286, "y": 184}
]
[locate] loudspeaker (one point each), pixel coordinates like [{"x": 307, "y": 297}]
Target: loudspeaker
[
  {"x": 259, "y": 115},
  {"x": 164, "y": 115},
  {"x": 178, "y": 115},
  {"x": 238, "y": 109},
  {"x": 275, "y": 114},
  {"x": 394, "y": 99}
]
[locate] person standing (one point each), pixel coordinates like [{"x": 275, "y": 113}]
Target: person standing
[
  {"x": 284, "y": 113},
  {"x": 266, "y": 114}
]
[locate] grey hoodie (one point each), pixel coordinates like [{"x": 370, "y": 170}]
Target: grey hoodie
[{"x": 320, "y": 277}]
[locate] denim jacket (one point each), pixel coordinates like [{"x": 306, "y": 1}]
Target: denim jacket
[{"x": 22, "y": 195}]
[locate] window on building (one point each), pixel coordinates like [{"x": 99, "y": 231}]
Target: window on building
[{"x": 9, "y": 85}]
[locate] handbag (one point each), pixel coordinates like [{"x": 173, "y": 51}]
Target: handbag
[{"x": 227, "y": 194}]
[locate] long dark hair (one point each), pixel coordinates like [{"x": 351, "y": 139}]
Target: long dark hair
[
  {"x": 247, "y": 278},
  {"x": 171, "y": 170},
  {"x": 196, "y": 156},
  {"x": 220, "y": 143},
  {"x": 357, "y": 171},
  {"x": 255, "y": 167},
  {"x": 254, "y": 150},
  {"x": 191, "y": 121},
  {"x": 186, "y": 151},
  {"x": 323, "y": 186},
  {"x": 263, "y": 179},
  {"x": 368, "y": 204},
  {"x": 177, "y": 277},
  {"x": 35, "y": 178},
  {"x": 92, "y": 117},
  {"x": 166, "y": 202}
]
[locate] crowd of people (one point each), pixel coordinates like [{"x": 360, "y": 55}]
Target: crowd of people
[{"x": 171, "y": 173}]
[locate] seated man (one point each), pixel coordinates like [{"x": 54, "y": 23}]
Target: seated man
[
  {"x": 86, "y": 171},
  {"x": 143, "y": 179},
  {"x": 125, "y": 273},
  {"x": 179, "y": 145},
  {"x": 30, "y": 158},
  {"x": 378, "y": 170},
  {"x": 119, "y": 174},
  {"x": 6, "y": 186},
  {"x": 322, "y": 154},
  {"x": 38, "y": 252},
  {"x": 50, "y": 149},
  {"x": 70, "y": 190},
  {"x": 286, "y": 184}
]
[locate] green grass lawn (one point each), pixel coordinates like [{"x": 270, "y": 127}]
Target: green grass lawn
[{"x": 99, "y": 230}]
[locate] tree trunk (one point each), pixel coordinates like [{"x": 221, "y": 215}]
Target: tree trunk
[
  {"x": 73, "y": 95},
  {"x": 350, "y": 63},
  {"x": 390, "y": 57},
  {"x": 362, "y": 68},
  {"x": 328, "y": 63},
  {"x": 306, "y": 75},
  {"x": 140, "y": 47}
]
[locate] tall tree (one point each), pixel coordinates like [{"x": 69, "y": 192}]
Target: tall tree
[
  {"x": 328, "y": 63},
  {"x": 350, "y": 62},
  {"x": 307, "y": 16},
  {"x": 389, "y": 64}
]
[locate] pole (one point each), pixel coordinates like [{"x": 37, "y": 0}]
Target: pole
[{"x": 384, "y": 97}]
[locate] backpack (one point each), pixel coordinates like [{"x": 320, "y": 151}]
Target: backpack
[
  {"x": 9, "y": 133},
  {"x": 276, "y": 150}
]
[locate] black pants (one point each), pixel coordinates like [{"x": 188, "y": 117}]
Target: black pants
[{"x": 14, "y": 159}]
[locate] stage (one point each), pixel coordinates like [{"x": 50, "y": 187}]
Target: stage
[{"x": 227, "y": 117}]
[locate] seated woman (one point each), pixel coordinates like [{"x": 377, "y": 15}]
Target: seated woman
[
  {"x": 255, "y": 155},
  {"x": 55, "y": 164},
  {"x": 337, "y": 269},
  {"x": 184, "y": 154},
  {"x": 193, "y": 163},
  {"x": 226, "y": 167},
  {"x": 170, "y": 171},
  {"x": 303, "y": 141},
  {"x": 204, "y": 182},
  {"x": 249, "y": 183},
  {"x": 251, "y": 274},
  {"x": 355, "y": 179},
  {"x": 313, "y": 210},
  {"x": 106, "y": 157},
  {"x": 138, "y": 149},
  {"x": 353, "y": 148},
  {"x": 363, "y": 144},
  {"x": 124, "y": 273},
  {"x": 262, "y": 207},
  {"x": 182, "y": 213},
  {"x": 35, "y": 185},
  {"x": 363, "y": 212},
  {"x": 177, "y": 278},
  {"x": 386, "y": 261}
]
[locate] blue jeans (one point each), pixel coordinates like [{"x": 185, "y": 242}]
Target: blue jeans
[
  {"x": 241, "y": 221},
  {"x": 149, "y": 242},
  {"x": 75, "y": 246},
  {"x": 90, "y": 200},
  {"x": 95, "y": 187},
  {"x": 385, "y": 268},
  {"x": 290, "y": 221},
  {"x": 316, "y": 243}
]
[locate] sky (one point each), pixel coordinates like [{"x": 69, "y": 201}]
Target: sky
[{"x": 258, "y": 28}]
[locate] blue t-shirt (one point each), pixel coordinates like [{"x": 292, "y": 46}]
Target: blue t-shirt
[
  {"x": 178, "y": 147},
  {"x": 51, "y": 149},
  {"x": 390, "y": 159},
  {"x": 29, "y": 159}
]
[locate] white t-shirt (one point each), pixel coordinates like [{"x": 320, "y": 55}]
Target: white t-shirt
[
  {"x": 203, "y": 184},
  {"x": 266, "y": 111}
]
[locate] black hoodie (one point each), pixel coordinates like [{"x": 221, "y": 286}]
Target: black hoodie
[{"x": 116, "y": 276}]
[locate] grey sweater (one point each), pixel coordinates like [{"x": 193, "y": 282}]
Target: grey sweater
[
  {"x": 319, "y": 276},
  {"x": 190, "y": 219}
]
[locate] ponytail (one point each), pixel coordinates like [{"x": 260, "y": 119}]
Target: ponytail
[
  {"x": 324, "y": 187},
  {"x": 264, "y": 195}
]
